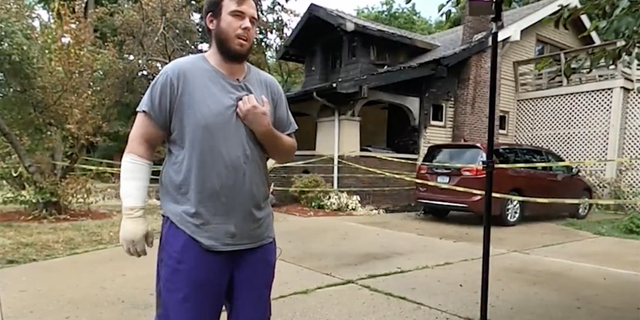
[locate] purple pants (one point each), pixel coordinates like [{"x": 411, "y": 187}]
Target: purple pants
[{"x": 193, "y": 283}]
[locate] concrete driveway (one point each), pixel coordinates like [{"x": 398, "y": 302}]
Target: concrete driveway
[{"x": 383, "y": 267}]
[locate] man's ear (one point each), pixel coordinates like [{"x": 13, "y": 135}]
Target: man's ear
[{"x": 210, "y": 21}]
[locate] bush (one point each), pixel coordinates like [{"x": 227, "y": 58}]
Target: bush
[
  {"x": 324, "y": 198},
  {"x": 631, "y": 224},
  {"x": 309, "y": 189}
]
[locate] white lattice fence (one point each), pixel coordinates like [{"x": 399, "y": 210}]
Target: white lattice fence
[
  {"x": 630, "y": 172},
  {"x": 574, "y": 125}
]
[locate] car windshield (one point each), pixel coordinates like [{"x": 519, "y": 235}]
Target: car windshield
[{"x": 454, "y": 155}]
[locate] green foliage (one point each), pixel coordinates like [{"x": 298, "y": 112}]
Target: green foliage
[
  {"x": 451, "y": 11},
  {"x": 303, "y": 188},
  {"x": 611, "y": 20},
  {"x": 630, "y": 224},
  {"x": 405, "y": 17}
]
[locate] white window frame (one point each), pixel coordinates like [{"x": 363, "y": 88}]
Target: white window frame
[
  {"x": 444, "y": 115},
  {"x": 506, "y": 129}
]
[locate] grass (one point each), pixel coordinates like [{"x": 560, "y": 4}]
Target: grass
[
  {"x": 30, "y": 242},
  {"x": 602, "y": 224}
]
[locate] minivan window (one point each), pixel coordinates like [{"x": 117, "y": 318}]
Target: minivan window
[
  {"x": 506, "y": 155},
  {"x": 454, "y": 155},
  {"x": 526, "y": 155},
  {"x": 559, "y": 169}
]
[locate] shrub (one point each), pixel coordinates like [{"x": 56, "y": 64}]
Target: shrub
[
  {"x": 309, "y": 189},
  {"x": 313, "y": 192},
  {"x": 631, "y": 224}
]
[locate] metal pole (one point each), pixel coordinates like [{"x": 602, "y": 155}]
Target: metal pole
[
  {"x": 336, "y": 145},
  {"x": 489, "y": 162}
]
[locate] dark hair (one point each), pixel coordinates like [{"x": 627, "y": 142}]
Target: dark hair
[{"x": 214, "y": 7}]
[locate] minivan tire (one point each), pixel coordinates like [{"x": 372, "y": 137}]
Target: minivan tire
[
  {"x": 436, "y": 213},
  {"x": 506, "y": 214},
  {"x": 582, "y": 211}
]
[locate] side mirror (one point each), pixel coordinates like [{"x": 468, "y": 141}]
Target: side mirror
[{"x": 575, "y": 171}]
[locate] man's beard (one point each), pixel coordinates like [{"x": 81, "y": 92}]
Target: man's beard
[{"x": 224, "y": 46}]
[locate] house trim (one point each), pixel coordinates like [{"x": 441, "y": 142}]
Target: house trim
[
  {"x": 349, "y": 26},
  {"x": 604, "y": 85},
  {"x": 514, "y": 31}
]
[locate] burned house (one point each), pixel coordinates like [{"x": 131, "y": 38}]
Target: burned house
[{"x": 372, "y": 91}]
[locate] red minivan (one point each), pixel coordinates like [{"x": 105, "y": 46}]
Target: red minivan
[{"x": 534, "y": 182}]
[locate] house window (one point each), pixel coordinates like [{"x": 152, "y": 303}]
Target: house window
[
  {"x": 437, "y": 115},
  {"x": 543, "y": 48},
  {"x": 352, "y": 49},
  {"x": 379, "y": 55},
  {"x": 336, "y": 60},
  {"x": 310, "y": 61},
  {"x": 503, "y": 122}
]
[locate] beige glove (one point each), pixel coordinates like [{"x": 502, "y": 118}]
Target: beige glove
[{"x": 135, "y": 234}]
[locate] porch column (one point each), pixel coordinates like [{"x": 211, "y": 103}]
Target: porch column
[
  {"x": 614, "y": 147},
  {"x": 349, "y": 135}
]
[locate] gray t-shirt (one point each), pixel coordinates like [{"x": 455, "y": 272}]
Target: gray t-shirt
[{"x": 214, "y": 180}]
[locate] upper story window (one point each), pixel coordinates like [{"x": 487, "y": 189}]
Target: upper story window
[
  {"x": 336, "y": 60},
  {"x": 379, "y": 55},
  {"x": 352, "y": 49},
  {"x": 543, "y": 48},
  {"x": 310, "y": 62}
]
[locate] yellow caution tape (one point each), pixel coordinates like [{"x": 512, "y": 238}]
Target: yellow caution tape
[
  {"x": 331, "y": 175},
  {"x": 517, "y": 165},
  {"x": 498, "y": 195},
  {"x": 343, "y": 189}
]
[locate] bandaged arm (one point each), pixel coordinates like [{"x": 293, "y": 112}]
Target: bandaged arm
[
  {"x": 135, "y": 170},
  {"x": 135, "y": 174}
]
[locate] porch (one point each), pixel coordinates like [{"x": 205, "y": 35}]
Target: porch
[
  {"x": 584, "y": 110},
  {"x": 368, "y": 127}
]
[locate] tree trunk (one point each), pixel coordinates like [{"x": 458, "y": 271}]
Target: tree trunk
[
  {"x": 17, "y": 147},
  {"x": 50, "y": 208}
]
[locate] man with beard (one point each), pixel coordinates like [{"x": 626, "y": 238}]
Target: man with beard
[{"x": 222, "y": 119}]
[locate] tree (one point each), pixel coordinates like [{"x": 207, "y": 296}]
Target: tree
[
  {"x": 56, "y": 91},
  {"x": 405, "y": 17},
  {"x": 272, "y": 31},
  {"x": 611, "y": 19},
  {"x": 71, "y": 82}
]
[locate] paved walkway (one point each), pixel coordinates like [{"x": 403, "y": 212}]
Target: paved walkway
[{"x": 387, "y": 267}]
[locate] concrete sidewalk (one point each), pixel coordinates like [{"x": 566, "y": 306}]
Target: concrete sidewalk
[{"x": 336, "y": 269}]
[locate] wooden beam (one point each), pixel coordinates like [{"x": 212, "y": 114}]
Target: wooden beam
[{"x": 388, "y": 77}]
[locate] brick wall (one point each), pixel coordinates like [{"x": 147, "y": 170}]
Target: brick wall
[
  {"x": 472, "y": 97},
  {"x": 351, "y": 177}
]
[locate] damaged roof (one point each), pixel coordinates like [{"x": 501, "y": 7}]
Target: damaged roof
[
  {"x": 450, "y": 41},
  {"x": 441, "y": 44},
  {"x": 367, "y": 25},
  {"x": 446, "y": 47}
]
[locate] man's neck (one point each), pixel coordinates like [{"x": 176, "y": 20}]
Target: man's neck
[{"x": 232, "y": 70}]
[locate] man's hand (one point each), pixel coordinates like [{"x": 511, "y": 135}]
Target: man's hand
[
  {"x": 135, "y": 234},
  {"x": 256, "y": 116}
]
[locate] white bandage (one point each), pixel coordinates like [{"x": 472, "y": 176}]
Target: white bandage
[{"x": 135, "y": 173}]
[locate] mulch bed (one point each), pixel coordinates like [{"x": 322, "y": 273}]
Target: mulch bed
[
  {"x": 301, "y": 211},
  {"x": 71, "y": 215}
]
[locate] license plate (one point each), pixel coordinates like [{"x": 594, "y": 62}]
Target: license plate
[{"x": 442, "y": 179}]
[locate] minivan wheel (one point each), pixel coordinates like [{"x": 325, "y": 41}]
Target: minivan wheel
[
  {"x": 582, "y": 210},
  {"x": 512, "y": 211},
  {"x": 437, "y": 213}
]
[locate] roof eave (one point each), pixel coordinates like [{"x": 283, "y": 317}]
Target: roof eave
[{"x": 514, "y": 31}]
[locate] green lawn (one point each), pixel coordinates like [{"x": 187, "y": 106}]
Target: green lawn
[
  {"x": 606, "y": 224},
  {"x": 24, "y": 242}
]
